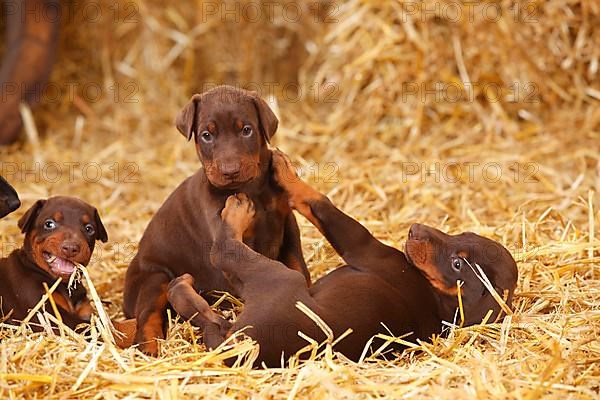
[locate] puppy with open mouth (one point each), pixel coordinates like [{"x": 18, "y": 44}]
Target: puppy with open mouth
[{"x": 60, "y": 233}]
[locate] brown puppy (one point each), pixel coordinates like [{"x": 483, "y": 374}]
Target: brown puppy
[
  {"x": 379, "y": 290},
  {"x": 59, "y": 232},
  {"x": 9, "y": 200},
  {"x": 231, "y": 129},
  {"x": 445, "y": 259}
]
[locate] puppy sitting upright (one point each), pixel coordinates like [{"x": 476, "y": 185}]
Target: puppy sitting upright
[
  {"x": 9, "y": 201},
  {"x": 59, "y": 232},
  {"x": 231, "y": 129}
]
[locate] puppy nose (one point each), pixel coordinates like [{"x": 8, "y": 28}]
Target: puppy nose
[
  {"x": 230, "y": 169},
  {"x": 413, "y": 232},
  {"x": 70, "y": 249}
]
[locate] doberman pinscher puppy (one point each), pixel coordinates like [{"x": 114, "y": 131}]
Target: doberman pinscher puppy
[
  {"x": 380, "y": 288},
  {"x": 9, "y": 200},
  {"x": 59, "y": 232},
  {"x": 231, "y": 129}
]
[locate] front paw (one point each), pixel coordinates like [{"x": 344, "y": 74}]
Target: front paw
[
  {"x": 150, "y": 347},
  {"x": 127, "y": 330},
  {"x": 285, "y": 173},
  {"x": 238, "y": 213},
  {"x": 149, "y": 333}
]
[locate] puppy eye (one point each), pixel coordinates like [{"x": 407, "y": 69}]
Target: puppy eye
[
  {"x": 89, "y": 229},
  {"x": 247, "y": 131},
  {"x": 457, "y": 264},
  {"x": 206, "y": 136},
  {"x": 49, "y": 224}
]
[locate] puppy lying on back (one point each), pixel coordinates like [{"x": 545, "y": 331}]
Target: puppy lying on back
[
  {"x": 9, "y": 201},
  {"x": 60, "y": 232},
  {"x": 381, "y": 290}
]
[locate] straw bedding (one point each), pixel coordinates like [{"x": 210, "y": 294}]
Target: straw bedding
[{"x": 521, "y": 167}]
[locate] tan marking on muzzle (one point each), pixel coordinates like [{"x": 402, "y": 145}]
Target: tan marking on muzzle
[{"x": 421, "y": 253}]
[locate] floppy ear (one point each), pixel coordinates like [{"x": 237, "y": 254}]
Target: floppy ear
[
  {"x": 27, "y": 221},
  {"x": 186, "y": 119},
  {"x": 268, "y": 120},
  {"x": 101, "y": 235}
]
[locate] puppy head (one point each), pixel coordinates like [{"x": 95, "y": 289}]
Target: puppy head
[
  {"x": 60, "y": 232},
  {"x": 445, "y": 259},
  {"x": 231, "y": 128},
  {"x": 9, "y": 201}
]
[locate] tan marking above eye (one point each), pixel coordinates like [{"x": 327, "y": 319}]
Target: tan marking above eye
[
  {"x": 58, "y": 216},
  {"x": 463, "y": 254},
  {"x": 239, "y": 124},
  {"x": 86, "y": 219},
  {"x": 211, "y": 127}
]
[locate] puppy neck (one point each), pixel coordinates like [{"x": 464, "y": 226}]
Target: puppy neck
[{"x": 447, "y": 306}]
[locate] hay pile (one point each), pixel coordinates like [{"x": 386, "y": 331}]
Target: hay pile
[{"x": 521, "y": 167}]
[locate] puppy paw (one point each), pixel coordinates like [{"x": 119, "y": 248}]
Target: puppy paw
[
  {"x": 299, "y": 192},
  {"x": 127, "y": 329},
  {"x": 149, "y": 348},
  {"x": 185, "y": 280},
  {"x": 285, "y": 173},
  {"x": 238, "y": 213}
]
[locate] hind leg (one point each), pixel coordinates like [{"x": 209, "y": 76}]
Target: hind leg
[
  {"x": 193, "y": 307},
  {"x": 241, "y": 265},
  {"x": 352, "y": 241},
  {"x": 270, "y": 290},
  {"x": 246, "y": 270}
]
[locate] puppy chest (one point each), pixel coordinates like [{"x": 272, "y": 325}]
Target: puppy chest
[{"x": 265, "y": 235}]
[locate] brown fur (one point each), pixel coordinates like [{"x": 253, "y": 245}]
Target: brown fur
[
  {"x": 433, "y": 252},
  {"x": 179, "y": 238},
  {"x": 25, "y": 270},
  {"x": 422, "y": 255},
  {"x": 29, "y": 55},
  {"x": 379, "y": 289}
]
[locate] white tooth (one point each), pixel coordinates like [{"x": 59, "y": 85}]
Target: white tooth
[{"x": 51, "y": 259}]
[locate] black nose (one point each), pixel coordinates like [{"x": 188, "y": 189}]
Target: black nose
[{"x": 70, "y": 249}]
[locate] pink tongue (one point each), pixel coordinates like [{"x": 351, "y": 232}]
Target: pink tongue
[{"x": 63, "y": 267}]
